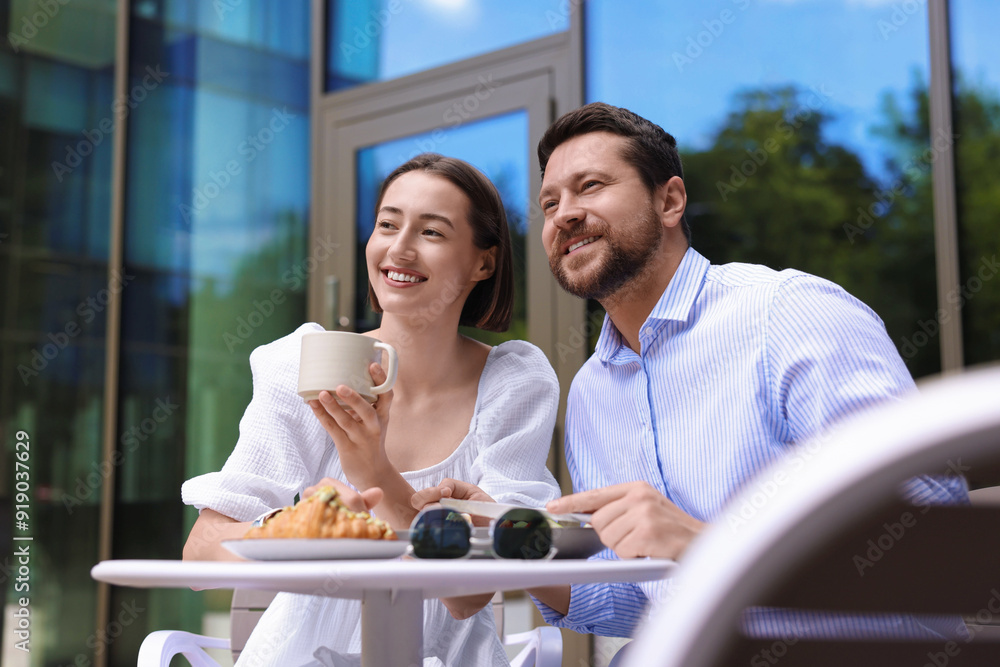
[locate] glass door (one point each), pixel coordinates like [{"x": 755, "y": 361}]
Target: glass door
[{"x": 490, "y": 111}]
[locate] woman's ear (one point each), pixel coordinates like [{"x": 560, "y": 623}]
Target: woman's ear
[{"x": 488, "y": 264}]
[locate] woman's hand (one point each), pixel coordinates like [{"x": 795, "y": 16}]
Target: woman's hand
[
  {"x": 452, "y": 488},
  {"x": 359, "y": 431},
  {"x": 358, "y": 502},
  {"x": 359, "y": 434},
  {"x": 448, "y": 488}
]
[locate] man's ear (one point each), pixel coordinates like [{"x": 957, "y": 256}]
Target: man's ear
[
  {"x": 488, "y": 264},
  {"x": 670, "y": 200}
]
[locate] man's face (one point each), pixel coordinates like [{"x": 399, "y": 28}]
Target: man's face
[{"x": 601, "y": 228}]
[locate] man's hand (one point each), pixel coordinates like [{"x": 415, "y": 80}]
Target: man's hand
[
  {"x": 358, "y": 502},
  {"x": 448, "y": 488},
  {"x": 634, "y": 519}
]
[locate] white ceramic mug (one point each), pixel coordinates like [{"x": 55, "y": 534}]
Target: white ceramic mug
[{"x": 333, "y": 358}]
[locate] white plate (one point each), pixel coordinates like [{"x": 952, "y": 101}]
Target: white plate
[
  {"x": 570, "y": 542},
  {"x": 316, "y": 549}
]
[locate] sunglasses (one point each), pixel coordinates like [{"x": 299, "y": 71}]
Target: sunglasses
[{"x": 517, "y": 534}]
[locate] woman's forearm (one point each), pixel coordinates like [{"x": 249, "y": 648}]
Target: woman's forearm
[
  {"x": 205, "y": 540},
  {"x": 395, "y": 505},
  {"x": 465, "y": 606}
]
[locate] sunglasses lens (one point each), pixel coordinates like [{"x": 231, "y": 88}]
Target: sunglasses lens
[
  {"x": 440, "y": 533},
  {"x": 522, "y": 534}
]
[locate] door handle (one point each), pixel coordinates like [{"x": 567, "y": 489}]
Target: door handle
[{"x": 331, "y": 304}]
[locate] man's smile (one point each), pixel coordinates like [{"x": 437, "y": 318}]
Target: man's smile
[{"x": 577, "y": 243}]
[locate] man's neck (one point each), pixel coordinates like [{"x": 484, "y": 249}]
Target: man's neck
[{"x": 630, "y": 306}]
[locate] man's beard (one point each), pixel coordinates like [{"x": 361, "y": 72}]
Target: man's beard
[{"x": 623, "y": 258}]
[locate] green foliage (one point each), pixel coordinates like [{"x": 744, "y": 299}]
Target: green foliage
[
  {"x": 263, "y": 301},
  {"x": 977, "y": 116},
  {"x": 772, "y": 189}
]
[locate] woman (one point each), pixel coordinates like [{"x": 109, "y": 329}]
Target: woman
[{"x": 439, "y": 257}]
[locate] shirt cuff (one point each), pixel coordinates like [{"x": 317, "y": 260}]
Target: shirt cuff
[
  {"x": 259, "y": 521},
  {"x": 585, "y": 609}
]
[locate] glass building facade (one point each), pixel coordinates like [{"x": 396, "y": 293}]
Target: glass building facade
[
  {"x": 133, "y": 294},
  {"x": 56, "y": 109},
  {"x": 213, "y": 239}
]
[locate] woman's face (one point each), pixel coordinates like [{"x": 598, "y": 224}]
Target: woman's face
[{"x": 421, "y": 257}]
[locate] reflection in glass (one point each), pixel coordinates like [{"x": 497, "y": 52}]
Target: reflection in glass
[
  {"x": 798, "y": 152},
  {"x": 496, "y": 146},
  {"x": 976, "y": 55},
  {"x": 215, "y": 229},
  {"x": 375, "y": 40},
  {"x": 56, "y": 90}
]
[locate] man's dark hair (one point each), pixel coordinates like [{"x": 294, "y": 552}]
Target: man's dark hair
[
  {"x": 490, "y": 305},
  {"x": 650, "y": 149}
]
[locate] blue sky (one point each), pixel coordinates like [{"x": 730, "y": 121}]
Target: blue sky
[
  {"x": 857, "y": 50},
  {"x": 429, "y": 33},
  {"x": 836, "y": 46}
]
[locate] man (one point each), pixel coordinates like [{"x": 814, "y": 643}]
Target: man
[{"x": 702, "y": 374}]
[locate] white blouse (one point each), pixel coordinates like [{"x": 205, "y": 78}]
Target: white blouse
[{"x": 282, "y": 449}]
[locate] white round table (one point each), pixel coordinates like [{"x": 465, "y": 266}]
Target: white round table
[{"x": 391, "y": 591}]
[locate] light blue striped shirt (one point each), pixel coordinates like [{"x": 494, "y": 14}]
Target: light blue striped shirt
[{"x": 738, "y": 363}]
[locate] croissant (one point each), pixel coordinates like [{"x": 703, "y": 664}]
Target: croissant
[{"x": 323, "y": 514}]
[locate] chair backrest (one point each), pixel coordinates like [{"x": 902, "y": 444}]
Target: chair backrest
[
  {"x": 247, "y": 608},
  {"x": 825, "y": 530},
  {"x": 249, "y": 605}
]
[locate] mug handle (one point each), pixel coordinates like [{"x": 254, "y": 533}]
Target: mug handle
[{"x": 390, "y": 376}]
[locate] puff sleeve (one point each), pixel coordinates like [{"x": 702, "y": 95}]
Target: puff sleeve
[{"x": 280, "y": 446}]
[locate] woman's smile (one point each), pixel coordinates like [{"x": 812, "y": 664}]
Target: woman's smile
[{"x": 396, "y": 277}]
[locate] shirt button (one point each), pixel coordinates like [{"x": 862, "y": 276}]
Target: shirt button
[{"x": 646, "y": 332}]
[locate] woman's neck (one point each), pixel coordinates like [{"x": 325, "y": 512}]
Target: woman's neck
[{"x": 432, "y": 354}]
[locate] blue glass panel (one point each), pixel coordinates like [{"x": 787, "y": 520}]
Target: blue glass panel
[
  {"x": 68, "y": 120},
  {"x": 55, "y": 201},
  {"x": 801, "y": 146},
  {"x": 216, "y": 210},
  {"x": 217, "y": 204},
  {"x": 375, "y": 40},
  {"x": 275, "y": 27},
  {"x": 215, "y": 196}
]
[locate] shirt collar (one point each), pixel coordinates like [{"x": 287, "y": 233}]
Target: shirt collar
[{"x": 674, "y": 304}]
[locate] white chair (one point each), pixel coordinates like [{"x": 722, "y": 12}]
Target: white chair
[
  {"x": 542, "y": 646},
  {"x": 826, "y": 530}
]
